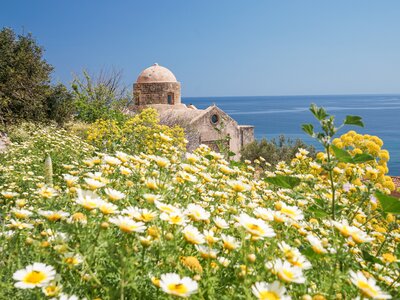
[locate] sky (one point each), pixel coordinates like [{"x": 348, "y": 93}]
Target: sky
[{"x": 223, "y": 48}]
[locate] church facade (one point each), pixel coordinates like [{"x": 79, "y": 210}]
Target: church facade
[{"x": 158, "y": 87}]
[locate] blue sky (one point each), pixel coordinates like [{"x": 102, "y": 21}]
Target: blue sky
[{"x": 223, "y": 48}]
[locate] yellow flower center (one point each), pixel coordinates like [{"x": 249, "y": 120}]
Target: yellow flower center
[
  {"x": 54, "y": 217},
  {"x": 178, "y": 288},
  {"x": 147, "y": 217},
  {"x": 286, "y": 275},
  {"x": 367, "y": 289},
  {"x": 46, "y": 193},
  {"x": 127, "y": 228},
  {"x": 288, "y": 212},
  {"x": 267, "y": 295},
  {"x": 34, "y": 277},
  {"x": 255, "y": 227},
  {"x": 175, "y": 219}
]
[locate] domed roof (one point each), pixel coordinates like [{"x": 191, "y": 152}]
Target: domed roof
[{"x": 156, "y": 73}]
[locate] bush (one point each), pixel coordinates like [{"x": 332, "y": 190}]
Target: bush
[
  {"x": 141, "y": 133},
  {"x": 274, "y": 151},
  {"x": 60, "y": 106},
  {"x": 24, "y": 79},
  {"x": 101, "y": 98}
]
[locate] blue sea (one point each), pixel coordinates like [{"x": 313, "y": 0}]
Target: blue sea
[{"x": 276, "y": 115}]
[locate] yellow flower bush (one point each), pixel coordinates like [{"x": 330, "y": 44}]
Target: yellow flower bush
[
  {"x": 141, "y": 133},
  {"x": 374, "y": 170}
]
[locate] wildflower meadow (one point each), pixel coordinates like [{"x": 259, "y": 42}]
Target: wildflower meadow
[{"x": 78, "y": 222}]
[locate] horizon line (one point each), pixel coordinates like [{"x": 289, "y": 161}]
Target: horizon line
[{"x": 299, "y": 95}]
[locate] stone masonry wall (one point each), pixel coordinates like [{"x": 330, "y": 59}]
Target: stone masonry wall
[{"x": 156, "y": 93}]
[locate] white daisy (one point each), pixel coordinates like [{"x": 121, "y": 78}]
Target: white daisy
[
  {"x": 270, "y": 291},
  {"x": 172, "y": 284},
  {"x": 36, "y": 275}
]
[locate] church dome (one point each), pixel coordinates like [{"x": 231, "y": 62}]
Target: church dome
[{"x": 156, "y": 73}]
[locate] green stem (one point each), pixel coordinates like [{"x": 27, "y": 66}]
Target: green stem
[
  {"x": 331, "y": 181},
  {"x": 383, "y": 244}
]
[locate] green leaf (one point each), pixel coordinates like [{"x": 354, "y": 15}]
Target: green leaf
[
  {"x": 342, "y": 155},
  {"x": 361, "y": 158},
  {"x": 370, "y": 258},
  {"x": 308, "y": 252},
  {"x": 320, "y": 202},
  {"x": 308, "y": 128},
  {"x": 317, "y": 212},
  {"x": 318, "y": 112},
  {"x": 389, "y": 204},
  {"x": 288, "y": 182},
  {"x": 230, "y": 153},
  {"x": 353, "y": 120}
]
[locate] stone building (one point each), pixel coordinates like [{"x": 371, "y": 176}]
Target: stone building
[{"x": 157, "y": 87}]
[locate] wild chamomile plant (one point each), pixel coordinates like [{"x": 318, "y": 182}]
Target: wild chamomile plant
[{"x": 170, "y": 224}]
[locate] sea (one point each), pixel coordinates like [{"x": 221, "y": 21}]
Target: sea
[{"x": 276, "y": 115}]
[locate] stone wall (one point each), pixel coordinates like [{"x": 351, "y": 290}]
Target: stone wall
[
  {"x": 156, "y": 93},
  {"x": 226, "y": 126},
  {"x": 246, "y": 135}
]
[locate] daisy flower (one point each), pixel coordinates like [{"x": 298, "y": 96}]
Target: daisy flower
[
  {"x": 108, "y": 208},
  {"x": 292, "y": 212},
  {"x": 229, "y": 242},
  {"x": 88, "y": 199},
  {"x": 288, "y": 273},
  {"x": 175, "y": 218},
  {"x": 270, "y": 291},
  {"x": 36, "y": 275},
  {"x": 128, "y": 225},
  {"x": 221, "y": 223},
  {"x": 53, "y": 215},
  {"x": 256, "y": 227},
  {"x": 47, "y": 192},
  {"x": 172, "y": 284},
  {"x": 93, "y": 183},
  {"x": 112, "y": 161},
  {"x": 114, "y": 195},
  {"x": 368, "y": 286},
  {"x": 316, "y": 244},
  {"x": 238, "y": 186},
  {"x": 193, "y": 235},
  {"x": 196, "y": 212}
]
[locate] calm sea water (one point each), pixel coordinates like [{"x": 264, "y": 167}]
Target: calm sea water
[{"x": 275, "y": 115}]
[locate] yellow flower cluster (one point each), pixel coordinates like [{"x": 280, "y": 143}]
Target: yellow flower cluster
[
  {"x": 141, "y": 133},
  {"x": 375, "y": 170}
]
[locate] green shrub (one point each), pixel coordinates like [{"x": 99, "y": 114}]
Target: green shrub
[
  {"x": 24, "y": 79},
  {"x": 100, "y": 98},
  {"x": 274, "y": 151}
]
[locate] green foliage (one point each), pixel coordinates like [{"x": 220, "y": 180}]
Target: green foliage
[
  {"x": 99, "y": 99},
  {"x": 60, "y": 106},
  {"x": 274, "y": 151},
  {"x": 24, "y": 79},
  {"x": 344, "y": 156},
  {"x": 288, "y": 182},
  {"x": 327, "y": 123},
  {"x": 389, "y": 204}
]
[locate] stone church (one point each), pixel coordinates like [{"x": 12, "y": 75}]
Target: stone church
[{"x": 157, "y": 87}]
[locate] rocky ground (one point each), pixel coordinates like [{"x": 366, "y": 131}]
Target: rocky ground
[{"x": 4, "y": 141}]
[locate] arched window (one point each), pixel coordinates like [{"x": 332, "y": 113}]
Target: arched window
[{"x": 170, "y": 98}]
